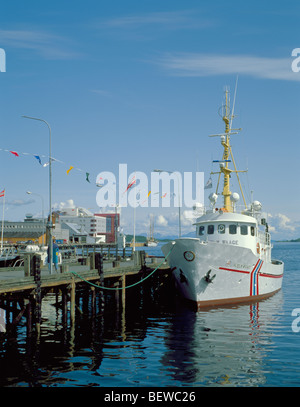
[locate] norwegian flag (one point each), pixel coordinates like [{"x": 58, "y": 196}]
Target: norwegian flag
[{"x": 2, "y": 193}]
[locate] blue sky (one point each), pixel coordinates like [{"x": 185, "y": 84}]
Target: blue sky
[{"x": 141, "y": 82}]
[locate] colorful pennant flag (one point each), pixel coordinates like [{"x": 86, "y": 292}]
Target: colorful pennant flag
[
  {"x": 146, "y": 198},
  {"x": 69, "y": 169},
  {"x": 2, "y": 193},
  {"x": 14, "y": 153},
  {"x": 208, "y": 184},
  {"x": 38, "y": 158},
  {"x": 132, "y": 182}
]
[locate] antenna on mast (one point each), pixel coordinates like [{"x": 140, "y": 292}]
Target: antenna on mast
[{"x": 232, "y": 116}]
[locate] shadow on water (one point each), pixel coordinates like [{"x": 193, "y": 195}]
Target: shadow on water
[
  {"x": 152, "y": 341},
  {"x": 156, "y": 341}
]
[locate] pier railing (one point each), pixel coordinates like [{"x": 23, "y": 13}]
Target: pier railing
[{"x": 14, "y": 254}]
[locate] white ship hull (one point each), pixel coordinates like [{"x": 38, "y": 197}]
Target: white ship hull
[
  {"x": 151, "y": 243},
  {"x": 210, "y": 273}
]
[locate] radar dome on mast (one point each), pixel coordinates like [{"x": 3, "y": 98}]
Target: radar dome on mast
[
  {"x": 235, "y": 197},
  {"x": 213, "y": 198},
  {"x": 256, "y": 205}
]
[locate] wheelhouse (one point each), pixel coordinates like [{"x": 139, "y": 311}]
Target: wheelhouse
[{"x": 228, "y": 228}]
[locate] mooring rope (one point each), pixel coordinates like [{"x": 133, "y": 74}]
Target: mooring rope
[{"x": 129, "y": 286}]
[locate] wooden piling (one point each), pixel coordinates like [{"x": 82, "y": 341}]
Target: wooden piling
[
  {"x": 36, "y": 262},
  {"x": 64, "y": 305},
  {"x": 93, "y": 301},
  {"x": 72, "y": 301},
  {"x": 123, "y": 291},
  {"x": 29, "y": 317},
  {"x": 99, "y": 267}
]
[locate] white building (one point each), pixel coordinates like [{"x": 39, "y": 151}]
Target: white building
[{"x": 87, "y": 223}]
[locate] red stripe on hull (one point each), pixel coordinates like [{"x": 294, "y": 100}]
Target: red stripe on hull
[{"x": 270, "y": 275}]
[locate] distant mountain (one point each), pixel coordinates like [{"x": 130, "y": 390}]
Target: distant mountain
[
  {"x": 138, "y": 239},
  {"x": 172, "y": 237},
  {"x": 289, "y": 241}
]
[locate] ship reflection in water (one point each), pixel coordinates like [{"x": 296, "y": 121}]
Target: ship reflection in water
[{"x": 222, "y": 346}]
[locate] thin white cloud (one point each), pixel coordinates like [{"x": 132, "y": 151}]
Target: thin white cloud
[
  {"x": 169, "y": 20},
  {"x": 20, "y": 202},
  {"x": 186, "y": 64},
  {"x": 102, "y": 92},
  {"x": 49, "y": 46}
]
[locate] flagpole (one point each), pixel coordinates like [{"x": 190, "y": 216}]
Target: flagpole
[
  {"x": 134, "y": 226},
  {"x": 134, "y": 215},
  {"x": 50, "y": 224},
  {"x": 2, "y": 223}
]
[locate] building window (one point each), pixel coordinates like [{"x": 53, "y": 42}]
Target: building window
[
  {"x": 221, "y": 228},
  {"x": 244, "y": 230},
  {"x": 210, "y": 229},
  {"x": 201, "y": 230},
  {"x": 232, "y": 229}
]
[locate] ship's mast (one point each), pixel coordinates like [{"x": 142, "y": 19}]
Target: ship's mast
[
  {"x": 225, "y": 141},
  {"x": 227, "y": 157}
]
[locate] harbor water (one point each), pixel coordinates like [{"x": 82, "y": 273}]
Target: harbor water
[{"x": 158, "y": 342}]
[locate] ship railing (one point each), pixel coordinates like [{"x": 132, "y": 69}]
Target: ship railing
[
  {"x": 202, "y": 210},
  {"x": 264, "y": 238}
]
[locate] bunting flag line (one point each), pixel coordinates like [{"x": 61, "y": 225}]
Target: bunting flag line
[{"x": 39, "y": 157}]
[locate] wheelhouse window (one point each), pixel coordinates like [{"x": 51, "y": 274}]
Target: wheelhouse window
[
  {"x": 244, "y": 230},
  {"x": 252, "y": 230},
  {"x": 210, "y": 229},
  {"x": 221, "y": 228},
  {"x": 201, "y": 230},
  {"x": 232, "y": 229}
]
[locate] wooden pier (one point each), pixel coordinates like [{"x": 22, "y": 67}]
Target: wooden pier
[{"x": 22, "y": 290}]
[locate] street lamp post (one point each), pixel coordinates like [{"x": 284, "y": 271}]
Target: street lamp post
[
  {"x": 50, "y": 226},
  {"x": 179, "y": 214},
  {"x": 41, "y": 196}
]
